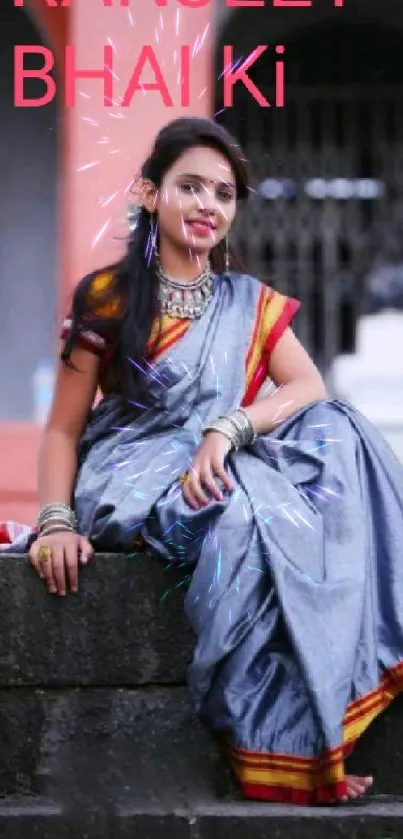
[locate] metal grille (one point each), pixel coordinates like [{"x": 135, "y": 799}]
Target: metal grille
[{"x": 320, "y": 250}]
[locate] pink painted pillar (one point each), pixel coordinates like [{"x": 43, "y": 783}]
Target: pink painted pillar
[
  {"x": 101, "y": 150},
  {"x": 106, "y": 145}
]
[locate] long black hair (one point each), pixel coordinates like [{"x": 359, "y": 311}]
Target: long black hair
[{"x": 134, "y": 279}]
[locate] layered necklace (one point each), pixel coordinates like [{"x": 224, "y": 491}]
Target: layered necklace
[{"x": 184, "y": 300}]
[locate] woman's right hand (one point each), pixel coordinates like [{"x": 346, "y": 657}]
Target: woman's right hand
[{"x": 67, "y": 551}]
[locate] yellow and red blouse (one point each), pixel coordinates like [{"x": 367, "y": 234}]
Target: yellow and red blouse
[{"x": 274, "y": 313}]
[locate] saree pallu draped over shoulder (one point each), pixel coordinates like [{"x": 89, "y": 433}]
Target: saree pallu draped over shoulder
[{"x": 296, "y": 577}]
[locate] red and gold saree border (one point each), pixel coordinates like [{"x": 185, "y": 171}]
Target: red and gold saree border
[
  {"x": 275, "y": 313},
  {"x": 296, "y": 780},
  {"x": 172, "y": 330}
]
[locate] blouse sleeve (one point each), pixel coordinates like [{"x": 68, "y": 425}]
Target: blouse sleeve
[
  {"x": 278, "y": 314},
  {"x": 275, "y": 312},
  {"x": 99, "y": 342}
]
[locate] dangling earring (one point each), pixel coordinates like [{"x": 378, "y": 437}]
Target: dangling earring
[
  {"x": 226, "y": 255},
  {"x": 153, "y": 234}
]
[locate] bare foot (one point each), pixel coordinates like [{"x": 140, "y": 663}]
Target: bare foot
[{"x": 357, "y": 786}]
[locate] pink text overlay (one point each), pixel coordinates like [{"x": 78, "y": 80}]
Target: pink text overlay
[
  {"x": 147, "y": 59},
  {"x": 198, "y": 4}
]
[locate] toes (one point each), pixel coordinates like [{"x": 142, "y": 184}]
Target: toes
[
  {"x": 354, "y": 786},
  {"x": 357, "y": 786}
]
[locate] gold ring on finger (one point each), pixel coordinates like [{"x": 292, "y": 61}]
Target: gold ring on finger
[
  {"x": 45, "y": 553},
  {"x": 184, "y": 478}
]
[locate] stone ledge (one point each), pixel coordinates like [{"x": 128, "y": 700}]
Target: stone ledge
[
  {"x": 112, "y": 750},
  {"x": 108, "y": 749},
  {"x": 378, "y": 820},
  {"x": 121, "y": 628}
]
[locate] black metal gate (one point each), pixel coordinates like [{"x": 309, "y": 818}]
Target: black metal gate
[{"x": 328, "y": 171}]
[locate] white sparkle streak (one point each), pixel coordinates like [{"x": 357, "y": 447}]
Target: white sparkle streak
[
  {"x": 290, "y": 401},
  {"x": 230, "y": 67},
  {"x": 112, "y": 44},
  {"x": 112, "y": 72},
  {"x": 168, "y": 500},
  {"x": 195, "y": 46},
  {"x": 90, "y": 121},
  {"x": 204, "y": 35},
  {"x": 304, "y": 520},
  {"x": 202, "y": 93},
  {"x": 100, "y": 233},
  {"x": 88, "y": 166},
  {"x": 177, "y": 22},
  {"x": 186, "y": 368},
  {"x": 267, "y": 388},
  {"x": 287, "y": 514},
  {"x": 108, "y": 200},
  {"x": 84, "y": 95},
  {"x": 329, "y": 491},
  {"x": 130, "y": 17}
]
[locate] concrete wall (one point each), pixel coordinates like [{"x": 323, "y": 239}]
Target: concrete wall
[{"x": 28, "y": 226}]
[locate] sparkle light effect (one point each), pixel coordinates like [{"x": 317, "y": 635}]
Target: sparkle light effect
[
  {"x": 166, "y": 40},
  {"x": 179, "y": 538},
  {"x": 265, "y": 514}
]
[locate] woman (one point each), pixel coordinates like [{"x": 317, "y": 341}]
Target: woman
[{"x": 287, "y": 507}]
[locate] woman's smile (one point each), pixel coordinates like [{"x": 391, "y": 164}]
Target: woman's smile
[{"x": 202, "y": 227}]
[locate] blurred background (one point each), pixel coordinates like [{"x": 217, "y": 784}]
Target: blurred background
[{"x": 325, "y": 218}]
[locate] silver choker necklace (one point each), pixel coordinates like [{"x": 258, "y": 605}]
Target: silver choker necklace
[{"x": 185, "y": 300}]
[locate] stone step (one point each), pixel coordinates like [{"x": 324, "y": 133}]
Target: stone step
[
  {"x": 381, "y": 819},
  {"x": 117, "y": 764},
  {"x": 125, "y": 747},
  {"x": 98, "y": 737},
  {"x": 121, "y": 628}
]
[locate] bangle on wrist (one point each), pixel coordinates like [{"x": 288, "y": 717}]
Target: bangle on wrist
[{"x": 237, "y": 426}]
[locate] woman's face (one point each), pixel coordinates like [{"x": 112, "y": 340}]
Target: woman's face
[{"x": 196, "y": 202}]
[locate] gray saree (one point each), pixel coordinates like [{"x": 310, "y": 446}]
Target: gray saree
[{"x": 296, "y": 578}]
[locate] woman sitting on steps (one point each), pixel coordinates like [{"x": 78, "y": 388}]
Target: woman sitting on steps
[{"x": 287, "y": 507}]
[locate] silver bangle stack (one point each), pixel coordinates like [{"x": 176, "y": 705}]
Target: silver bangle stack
[
  {"x": 54, "y": 517},
  {"x": 237, "y": 427}
]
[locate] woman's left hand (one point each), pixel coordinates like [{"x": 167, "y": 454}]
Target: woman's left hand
[{"x": 208, "y": 464}]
